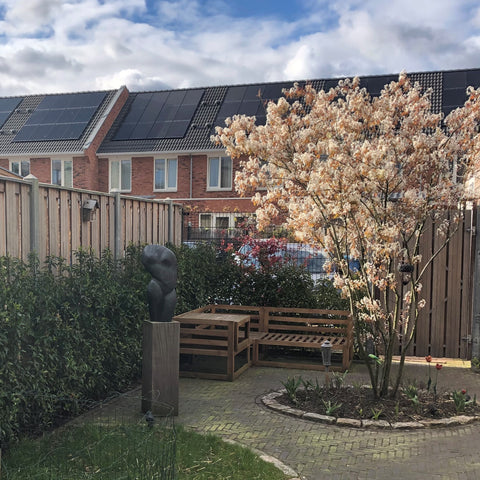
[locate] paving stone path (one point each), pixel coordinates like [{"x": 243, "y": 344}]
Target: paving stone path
[{"x": 316, "y": 451}]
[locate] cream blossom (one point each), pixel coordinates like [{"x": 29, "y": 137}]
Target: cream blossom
[{"x": 361, "y": 177}]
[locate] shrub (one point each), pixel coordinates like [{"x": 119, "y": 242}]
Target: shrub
[
  {"x": 66, "y": 331},
  {"x": 75, "y": 331}
]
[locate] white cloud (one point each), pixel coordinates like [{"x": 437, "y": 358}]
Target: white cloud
[{"x": 68, "y": 45}]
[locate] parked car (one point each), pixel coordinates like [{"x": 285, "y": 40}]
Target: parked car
[{"x": 298, "y": 254}]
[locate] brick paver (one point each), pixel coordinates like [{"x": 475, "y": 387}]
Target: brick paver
[{"x": 233, "y": 410}]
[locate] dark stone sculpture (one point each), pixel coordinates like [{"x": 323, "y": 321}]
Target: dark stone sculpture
[{"x": 161, "y": 263}]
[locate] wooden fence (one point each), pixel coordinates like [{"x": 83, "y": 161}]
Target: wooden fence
[
  {"x": 444, "y": 327},
  {"x": 57, "y": 221}
]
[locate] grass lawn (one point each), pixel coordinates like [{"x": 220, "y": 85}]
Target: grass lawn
[{"x": 134, "y": 451}]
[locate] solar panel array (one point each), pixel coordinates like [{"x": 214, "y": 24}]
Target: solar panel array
[
  {"x": 157, "y": 115},
  {"x": 60, "y": 117},
  {"x": 249, "y": 100},
  {"x": 7, "y": 106},
  {"x": 454, "y": 87}
]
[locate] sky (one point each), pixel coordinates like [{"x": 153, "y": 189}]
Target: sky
[{"x": 58, "y": 46}]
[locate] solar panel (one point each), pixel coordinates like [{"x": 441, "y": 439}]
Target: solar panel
[
  {"x": 473, "y": 78},
  {"x": 249, "y": 100},
  {"x": 159, "y": 115},
  {"x": 7, "y": 106},
  {"x": 60, "y": 117}
]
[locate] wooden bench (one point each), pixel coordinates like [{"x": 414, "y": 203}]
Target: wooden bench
[
  {"x": 218, "y": 335},
  {"x": 295, "y": 329},
  {"x": 302, "y": 329}
]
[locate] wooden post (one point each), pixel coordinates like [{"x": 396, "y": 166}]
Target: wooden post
[
  {"x": 161, "y": 360},
  {"x": 171, "y": 222},
  {"x": 34, "y": 214},
  {"x": 117, "y": 235}
]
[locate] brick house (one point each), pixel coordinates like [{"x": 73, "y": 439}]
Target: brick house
[
  {"x": 56, "y": 137},
  {"x": 157, "y": 144}
]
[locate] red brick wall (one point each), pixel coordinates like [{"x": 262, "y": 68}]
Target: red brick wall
[
  {"x": 142, "y": 176},
  {"x": 102, "y": 182},
  {"x": 4, "y": 163},
  {"x": 91, "y": 178},
  {"x": 207, "y": 201},
  {"x": 42, "y": 169},
  {"x": 107, "y": 123},
  {"x": 82, "y": 173}
]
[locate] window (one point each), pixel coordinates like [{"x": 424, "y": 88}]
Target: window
[
  {"x": 205, "y": 220},
  {"x": 62, "y": 173},
  {"x": 165, "y": 174},
  {"x": 219, "y": 173},
  {"x": 121, "y": 175},
  {"x": 20, "y": 168},
  {"x": 222, "y": 222}
]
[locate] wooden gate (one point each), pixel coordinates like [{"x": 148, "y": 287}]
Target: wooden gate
[{"x": 445, "y": 324}]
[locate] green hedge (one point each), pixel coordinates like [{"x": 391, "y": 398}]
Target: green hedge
[
  {"x": 76, "y": 331},
  {"x": 71, "y": 332}
]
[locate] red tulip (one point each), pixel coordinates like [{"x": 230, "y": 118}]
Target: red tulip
[
  {"x": 438, "y": 366},
  {"x": 428, "y": 358}
]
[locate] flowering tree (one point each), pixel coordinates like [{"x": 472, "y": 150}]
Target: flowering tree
[{"x": 362, "y": 178}]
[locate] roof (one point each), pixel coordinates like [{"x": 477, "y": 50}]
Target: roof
[
  {"x": 181, "y": 120},
  {"x": 7, "y": 173},
  {"x": 217, "y": 103},
  {"x": 25, "y": 122}
]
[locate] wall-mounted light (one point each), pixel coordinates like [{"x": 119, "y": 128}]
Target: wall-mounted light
[{"x": 88, "y": 209}]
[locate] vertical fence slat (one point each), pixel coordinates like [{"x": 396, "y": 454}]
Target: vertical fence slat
[
  {"x": 467, "y": 283},
  {"x": 76, "y": 233},
  {"x": 25, "y": 220},
  {"x": 454, "y": 293},
  {"x": 65, "y": 226},
  {"x": 422, "y": 337},
  {"x": 439, "y": 295},
  {"x": 4, "y": 217},
  {"x": 12, "y": 224}
]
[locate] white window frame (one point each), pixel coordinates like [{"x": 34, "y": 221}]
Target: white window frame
[
  {"x": 118, "y": 184},
  {"x": 205, "y": 215},
  {"x": 214, "y": 217},
  {"x": 64, "y": 182},
  {"x": 168, "y": 161},
  {"x": 19, "y": 164},
  {"x": 218, "y": 187}
]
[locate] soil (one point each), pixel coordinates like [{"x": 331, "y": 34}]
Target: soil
[{"x": 359, "y": 403}]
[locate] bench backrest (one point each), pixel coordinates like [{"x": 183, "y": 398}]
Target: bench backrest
[
  {"x": 335, "y": 323},
  {"x": 292, "y": 320}
]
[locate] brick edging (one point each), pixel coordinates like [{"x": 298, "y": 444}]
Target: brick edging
[{"x": 270, "y": 401}]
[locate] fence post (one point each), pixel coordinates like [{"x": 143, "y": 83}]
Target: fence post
[
  {"x": 34, "y": 214},
  {"x": 117, "y": 234},
  {"x": 171, "y": 222},
  {"x": 476, "y": 291}
]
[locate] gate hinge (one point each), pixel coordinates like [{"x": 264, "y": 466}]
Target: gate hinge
[{"x": 467, "y": 339}]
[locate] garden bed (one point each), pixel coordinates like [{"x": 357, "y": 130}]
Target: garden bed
[{"x": 356, "y": 406}]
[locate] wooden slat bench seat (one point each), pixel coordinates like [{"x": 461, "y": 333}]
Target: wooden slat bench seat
[
  {"x": 302, "y": 328},
  {"x": 299, "y": 328}
]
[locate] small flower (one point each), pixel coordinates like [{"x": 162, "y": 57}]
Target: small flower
[
  {"x": 438, "y": 366},
  {"x": 464, "y": 391},
  {"x": 428, "y": 358}
]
